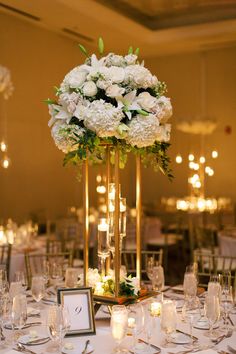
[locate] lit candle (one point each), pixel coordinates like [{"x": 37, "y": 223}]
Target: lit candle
[
  {"x": 103, "y": 226},
  {"x": 156, "y": 309},
  {"x": 131, "y": 322}
]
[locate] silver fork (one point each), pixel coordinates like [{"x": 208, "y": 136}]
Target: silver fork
[{"x": 86, "y": 346}]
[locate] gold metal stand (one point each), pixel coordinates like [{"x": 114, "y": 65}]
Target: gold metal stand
[
  {"x": 138, "y": 218},
  {"x": 86, "y": 219}
]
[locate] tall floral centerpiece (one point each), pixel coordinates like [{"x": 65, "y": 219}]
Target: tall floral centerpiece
[{"x": 109, "y": 106}]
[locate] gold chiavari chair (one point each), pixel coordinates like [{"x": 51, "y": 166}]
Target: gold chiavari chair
[
  {"x": 128, "y": 258},
  {"x": 210, "y": 264},
  {"x": 34, "y": 263},
  {"x": 5, "y": 257}
]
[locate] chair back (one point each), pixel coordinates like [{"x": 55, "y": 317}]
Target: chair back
[
  {"x": 128, "y": 258},
  {"x": 210, "y": 264},
  {"x": 5, "y": 257},
  {"x": 34, "y": 263}
]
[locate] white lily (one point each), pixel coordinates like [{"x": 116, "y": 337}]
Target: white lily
[
  {"x": 129, "y": 103},
  {"x": 58, "y": 112},
  {"x": 96, "y": 65}
]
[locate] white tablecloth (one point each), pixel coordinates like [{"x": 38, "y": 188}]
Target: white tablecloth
[
  {"x": 103, "y": 343},
  {"x": 227, "y": 243}
]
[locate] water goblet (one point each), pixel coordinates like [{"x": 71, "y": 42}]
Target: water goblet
[
  {"x": 38, "y": 288},
  {"x": 119, "y": 322},
  {"x": 19, "y": 313}
]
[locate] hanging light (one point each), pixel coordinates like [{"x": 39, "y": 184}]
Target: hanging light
[
  {"x": 214, "y": 154},
  {"x": 190, "y": 157},
  {"x": 5, "y": 162},
  {"x": 202, "y": 159},
  {"x": 3, "y": 146},
  {"x": 178, "y": 159},
  {"x": 211, "y": 172}
]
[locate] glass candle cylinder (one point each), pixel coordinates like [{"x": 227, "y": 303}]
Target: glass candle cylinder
[
  {"x": 168, "y": 316},
  {"x": 122, "y": 221},
  {"x": 155, "y": 309},
  {"x": 71, "y": 277},
  {"x": 103, "y": 242},
  {"x": 119, "y": 322}
]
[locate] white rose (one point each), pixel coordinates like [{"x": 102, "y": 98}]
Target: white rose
[
  {"x": 116, "y": 74},
  {"x": 146, "y": 101},
  {"x": 131, "y": 59},
  {"x": 103, "y": 84},
  {"x": 163, "y": 133},
  {"x": 114, "y": 91},
  {"x": 77, "y": 78},
  {"x": 162, "y": 109},
  {"x": 90, "y": 89},
  {"x": 154, "y": 80}
]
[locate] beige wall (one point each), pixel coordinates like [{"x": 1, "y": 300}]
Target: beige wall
[{"x": 37, "y": 182}]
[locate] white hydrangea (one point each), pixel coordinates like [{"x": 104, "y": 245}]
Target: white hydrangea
[
  {"x": 64, "y": 135},
  {"x": 138, "y": 76},
  {"x": 114, "y": 60},
  {"x": 163, "y": 133},
  {"x": 6, "y": 86},
  {"x": 93, "y": 277},
  {"x": 103, "y": 118},
  {"x": 143, "y": 130},
  {"x": 163, "y": 109}
]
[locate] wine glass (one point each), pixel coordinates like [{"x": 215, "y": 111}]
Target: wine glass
[
  {"x": 38, "y": 288},
  {"x": 119, "y": 322},
  {"x": 227, "y": 304},
  {"x": 21, "y": 278},
  {"x": 212, "y": 311},
  {"x": 19, "y": 312},
  {"x": 46, "y": 271},
  {"x": 136, "y": 322},
  {"x": 58, "y": 323},
  {"x": 191, "y": 313},
  {"x": 168, "y": 320},
  {"x": 149, "y": 323}
]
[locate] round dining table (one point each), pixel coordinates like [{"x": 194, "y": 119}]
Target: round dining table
[{"x": 103, "y": 343}]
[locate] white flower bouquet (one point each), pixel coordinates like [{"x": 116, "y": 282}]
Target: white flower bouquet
[{"x": 113, "y": 100}]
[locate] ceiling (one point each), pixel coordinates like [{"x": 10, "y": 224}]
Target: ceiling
[{"x": 158, "y": 27}]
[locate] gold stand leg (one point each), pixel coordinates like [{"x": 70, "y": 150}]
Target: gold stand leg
[
  {"x": 117, "y": 231},
  {"x": 86, "y": 219},
  {"x": 108, "y": 173},
  {"x": 138, "y": 217}
]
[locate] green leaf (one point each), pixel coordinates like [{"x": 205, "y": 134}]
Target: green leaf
[
  {"x": 142, "y": 112},
  {"x": 130, "y": 51},
  {"x": 137, "y": 50},
  {"x": 100, "y": 45},
  {"x": 49, "y": 101},
  {"x": 83, "y": 49}
]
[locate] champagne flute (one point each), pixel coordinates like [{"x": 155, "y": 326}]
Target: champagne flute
[
  {"x": 38, "y": 288},
  {"x": 227, "y": 304},
  {"x": 212, "y": 311},
  {"x": 58, "y": 323},
  {"x": 119, "y": 322},
  {"x": 46, "y": 271},
  {"x": 19, "y": 312},
  {"x": 168, "y": 320},
  {"x": 190, "y": 282},
  {"x": 136, "y": 321}
]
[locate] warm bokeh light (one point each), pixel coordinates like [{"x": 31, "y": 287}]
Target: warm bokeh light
[
  {"x": 207, "y": 169},
  {"x": 3, "y": 146},
  {"x": 196, "y": 166},
  {"x": 191, "y": 165},
  {"x": 190, "y": 157},
  {"x": 211, "y": 172},
  {"x": 5, "y": 162},
  {"x": 202, "y": 159},
  {"x": 214, "y": 154},
  {"x": 178, "y": 159}
]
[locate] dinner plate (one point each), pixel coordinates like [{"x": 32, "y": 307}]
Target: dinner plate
[
  {"x": 32, "y": 311},
  {"x": 27, "y": 339},
  {"x": 9, "y": 326},
  {"x": 180, "y": 338},
  {"x": 78, "y": 348}
]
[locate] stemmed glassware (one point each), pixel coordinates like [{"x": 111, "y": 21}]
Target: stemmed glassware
[
  {"x": 212, "y": 311},
  {"x": 168, "y": 320},
  {"x": 155, "y": 273},
  {"x": 214, "y": 286},
  {"x": 19, "y": 312},
  {"x": 227, "y": 304},
  {"x": 149, "y": 324},
  {"x": 21, "y": 278},
  {"x": 57, "y": 272},
  {"x": 119, "y": 323},
  {"x": 38, "y": 288},
  {"x": 190, "y": 282},
  {"x": 4, "y": 285},
  {"x": 58, "y": 323},
  {"x": 191, "y": 313},
  {"x": 136, "y": 318},
  {"x": 46, "y": 271}
]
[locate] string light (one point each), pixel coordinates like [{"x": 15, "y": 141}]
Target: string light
[{"x": 202, "y": 159}]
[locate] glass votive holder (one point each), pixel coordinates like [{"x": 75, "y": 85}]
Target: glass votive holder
[{"x": 71, "y": 277}]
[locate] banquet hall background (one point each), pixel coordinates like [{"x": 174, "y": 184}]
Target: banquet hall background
[{"x": 194, "y": 55}]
